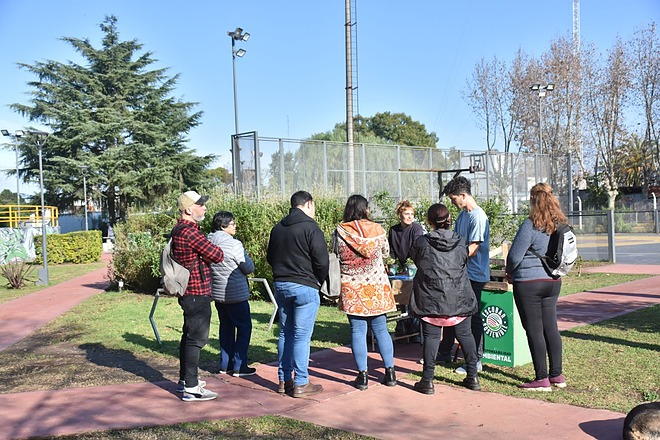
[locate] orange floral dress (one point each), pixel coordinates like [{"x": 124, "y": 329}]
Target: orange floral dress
[{"x": 365, "y": 287}]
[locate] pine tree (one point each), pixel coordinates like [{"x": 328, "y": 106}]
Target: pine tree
[{"x": 117, "y": 118}]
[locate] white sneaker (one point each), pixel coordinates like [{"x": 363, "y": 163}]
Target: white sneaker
[
  {"x": 182, "y": 385},
  {"x": 462, "y": 370},
  {"x": 197, "y": 394}
]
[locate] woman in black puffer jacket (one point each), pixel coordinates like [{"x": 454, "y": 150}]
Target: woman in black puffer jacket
[{"x": 442, "y": 295}]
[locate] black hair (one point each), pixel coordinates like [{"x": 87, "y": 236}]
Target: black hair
[
  {"x": 438, "y": 216},
  {"x": 221, "y": 220},
  {"x": 356, "y": 208},
  {"x": 299, "y": 198},
  {"x": 458, "y": 185}
]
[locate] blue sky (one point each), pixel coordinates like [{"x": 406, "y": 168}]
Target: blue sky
[{"x": 413, "y": 56}]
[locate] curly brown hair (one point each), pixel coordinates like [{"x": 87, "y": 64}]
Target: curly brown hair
[
  {"x": 402, "y": 206},
  {"x": 544, "y": 209}
]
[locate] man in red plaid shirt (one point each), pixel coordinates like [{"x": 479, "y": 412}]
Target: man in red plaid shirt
[{"x": 191, "y": 249}]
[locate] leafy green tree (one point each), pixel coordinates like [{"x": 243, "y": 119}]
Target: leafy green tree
[
  {"x": 219, "y": 175},
  {"x": 117, "y": 118},
  {"x": 393, "y": 128},
  {"x": 400, "y": 128},
  {"x": 7, "y": 197}
]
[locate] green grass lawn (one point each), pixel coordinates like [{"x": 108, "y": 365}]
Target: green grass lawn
[
  {"x": 250, "y": 428},
  {"x": 610, "y": 365}
]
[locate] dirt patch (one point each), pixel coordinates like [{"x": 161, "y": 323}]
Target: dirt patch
[{"x": 38, "y": 363}]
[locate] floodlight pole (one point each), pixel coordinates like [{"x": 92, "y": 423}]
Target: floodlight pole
[
  {"x": 542, "y": 91},
  {"x": 40, "y": 139},
  {"x": 236, "y": 35}
]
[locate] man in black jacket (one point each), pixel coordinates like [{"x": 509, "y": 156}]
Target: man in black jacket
[{"x": 298, "y": 254}]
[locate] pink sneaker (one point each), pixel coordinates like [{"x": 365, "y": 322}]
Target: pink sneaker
[
  {"x": 537, "y": 385},
  {"x": 558, "y": 381}
]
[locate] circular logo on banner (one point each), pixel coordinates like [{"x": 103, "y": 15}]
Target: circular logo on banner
[{"x": 495, "y": 321}]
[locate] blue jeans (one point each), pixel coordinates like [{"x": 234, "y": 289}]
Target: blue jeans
[
  {"x": 196, "y": 324},
  {"x": 235, "y": 334},
  {"x": 297, "y": 306},
  {"x": 359, "y": 326}
]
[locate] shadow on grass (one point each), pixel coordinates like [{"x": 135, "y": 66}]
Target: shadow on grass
[
  {"x": 125, "y": 360},
  {"x": 609, "y": 340}
]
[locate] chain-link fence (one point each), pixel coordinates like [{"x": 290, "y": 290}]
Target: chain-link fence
[{"x": 282, "y": 166}]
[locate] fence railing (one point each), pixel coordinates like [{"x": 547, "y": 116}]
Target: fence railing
[{"x": 28, "y": 216}]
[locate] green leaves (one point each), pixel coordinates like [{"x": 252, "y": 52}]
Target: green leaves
[{"x": 115, "y": 116}]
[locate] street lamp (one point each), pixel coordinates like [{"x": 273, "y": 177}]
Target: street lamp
[
  {"x": 236, "y": 35},
  {"x": 84, "y": 170},
  {"x": 39, "y": 140},
  {"x": 542, "y": 91},
  {"x": 18, "y": 194}
]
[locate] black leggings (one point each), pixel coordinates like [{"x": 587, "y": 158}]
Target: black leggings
[
  {"x": 476, "y": 325},
  {"x": 462, "y": 332},
  {"x": 537, "y": 304}
]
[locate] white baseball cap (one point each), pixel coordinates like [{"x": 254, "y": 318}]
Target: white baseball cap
[{"x": 189, "y": 198}]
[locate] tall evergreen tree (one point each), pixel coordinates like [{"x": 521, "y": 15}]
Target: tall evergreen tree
[{"x": 117, "y": 118}]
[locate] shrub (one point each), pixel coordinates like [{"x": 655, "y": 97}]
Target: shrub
[
  {"x": 17, "y": 273},
  {"x": 139, "y": 241},
  {"x": 503, "y": 225},
  {"x": 74, "y": 247},
  {"x": 138, "y": 244}
]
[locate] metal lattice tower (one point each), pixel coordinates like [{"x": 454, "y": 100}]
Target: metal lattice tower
[
  {"x": 354, "y": 61},
  {"x": 352, "y": 108},
  {"x": 576, "y": 26},
  {"x": 578, "y": 57}
]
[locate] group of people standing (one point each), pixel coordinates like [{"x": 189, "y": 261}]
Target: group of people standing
[{"x": 453, "y": 266}]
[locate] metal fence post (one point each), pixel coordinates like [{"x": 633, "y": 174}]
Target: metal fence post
[
  {"x": 611, "y": 245},
  {"x": 431, "y": 188},
  {"x": 398, "y": 174},
  {"x": 364, "y": 170},
  {"x": 151, "y": 314},
  {"x": 282, "y": 182}
]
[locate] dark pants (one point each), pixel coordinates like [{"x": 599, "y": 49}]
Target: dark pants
[
  {"x": 476, "y": 325},
  {"x": 537, "y": 304},
  {"x": 196, "y": 324},
  {"x": 432, "y": 341},
  {"x": 235, "y": 334}
]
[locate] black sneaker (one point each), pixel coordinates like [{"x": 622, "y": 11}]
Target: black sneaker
[{"x": 244, "y": 371}]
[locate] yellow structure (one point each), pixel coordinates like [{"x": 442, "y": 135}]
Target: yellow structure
[{"x": 14, "y": 216}]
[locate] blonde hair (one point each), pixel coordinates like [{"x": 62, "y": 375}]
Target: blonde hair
[
  {"x": 544, "y": 209},
  {"x": 402, "y": 206}
]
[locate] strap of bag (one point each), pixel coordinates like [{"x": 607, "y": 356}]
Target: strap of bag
[{"x": 174, "y": 232}]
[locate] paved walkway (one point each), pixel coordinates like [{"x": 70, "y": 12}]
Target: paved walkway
[{"x": 383, "y": 412}]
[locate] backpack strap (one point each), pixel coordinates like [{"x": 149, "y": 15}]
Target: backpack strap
[{"x": 175, "y": 230}]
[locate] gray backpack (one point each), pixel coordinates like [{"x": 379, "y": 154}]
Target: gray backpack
[{"x": 174, "y": 277}]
